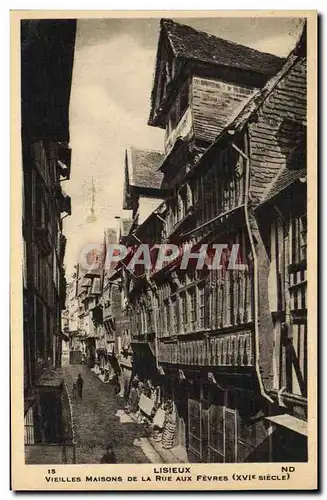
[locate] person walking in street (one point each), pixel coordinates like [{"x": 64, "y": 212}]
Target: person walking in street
[
  {"x": 74, "y": 392},
  {"x": 79, "y": 384},
  {"x": 109, "y": 457}
]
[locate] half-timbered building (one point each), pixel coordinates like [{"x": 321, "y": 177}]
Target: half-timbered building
[
  {"x": 229, "y": 344},
  {"x": 47, "y": 49}
]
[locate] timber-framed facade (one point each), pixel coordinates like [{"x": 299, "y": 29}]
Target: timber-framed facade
[{"x": 229, "y": 348}]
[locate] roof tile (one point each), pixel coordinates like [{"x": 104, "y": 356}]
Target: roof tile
[{"x": 190, "y": 43}]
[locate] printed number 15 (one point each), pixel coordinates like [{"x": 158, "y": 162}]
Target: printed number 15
[{"x": 51, "y": 471}]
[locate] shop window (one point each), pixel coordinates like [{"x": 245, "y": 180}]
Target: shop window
[
  {"x": 216, "y": 428},
  {"x": 194, "y": 415},
  {"x": 216, "y": 432},
  {"x": 195, "y": 427},
  {"x": 230, "y": 435},
  {"x": 245, "y": 427}
]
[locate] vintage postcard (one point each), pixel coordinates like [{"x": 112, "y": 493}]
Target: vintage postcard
[{"x": 164, "y": 250}]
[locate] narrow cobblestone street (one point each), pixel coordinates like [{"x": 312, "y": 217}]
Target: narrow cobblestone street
[{"x": 99, "y": 420}]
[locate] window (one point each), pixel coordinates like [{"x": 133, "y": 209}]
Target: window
[
  {"x": 207, "y": 198},
  {"x": 149, "y": 319},
  {"x": 169, "y": 70},
  {"x": 173, "y": 216},
  {"x": 162, "y": 320},
  {"x": 202, "y": 305},
  {"x": 175, "y": 314},
  {"x": 214, "y": 191},
  {"x": 193, "y": 308},
  {"x": 299, "y": 238},
  {"x": 144, "y": 319},
  {"x": 183, "y": 100},
  {"x": 303, "y": 237},
  {"x": 195, "y": 191},
  {"x": 183, "y": 309},
  {"x": 29, "y": 437},
  {"x": 49, "y": 327},
  {"x": 39, "y": 328},
  {"x": 201, "y": 199},
  {"x": 209, "y": 191},
  {"x": 182, "y": 203},
  {"x": 41, "y": 218},
  {"x": 172, "y": 119},
  {"x": 138, "y": 323},
  {"x": 167, "y": 316},
  {"x": 178, "y": 109}
]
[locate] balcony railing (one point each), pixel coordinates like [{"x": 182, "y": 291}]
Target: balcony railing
[{"x": 234, "y": 349}]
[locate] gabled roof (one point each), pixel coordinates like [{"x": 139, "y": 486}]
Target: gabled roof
[
  {"x": 189, "y": 43},
  {"x": 278, "y": 121},
  {"x": 280, "y": 128},
  {"x": 259, "y": 98},
  {"x": 143, "y": 167}
]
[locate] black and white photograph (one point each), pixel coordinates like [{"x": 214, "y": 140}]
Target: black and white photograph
[{"x": 164, "y": 221}]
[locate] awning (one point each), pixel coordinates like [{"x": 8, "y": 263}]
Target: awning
[{"x": 292, "y": 423}]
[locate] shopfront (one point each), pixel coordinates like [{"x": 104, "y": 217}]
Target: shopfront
[{"x": 223, "y": 426}]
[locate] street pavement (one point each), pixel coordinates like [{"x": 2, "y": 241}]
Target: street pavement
[{"x": 99, "y": 419}]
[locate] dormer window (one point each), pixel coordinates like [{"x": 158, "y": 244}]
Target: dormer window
[
  {"x": 183, "y": 100},
  {"x": 178, "y": 109}
]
